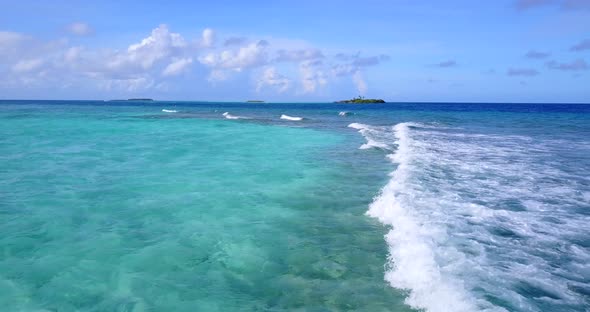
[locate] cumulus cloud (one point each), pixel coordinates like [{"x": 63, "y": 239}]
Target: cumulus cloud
[
  {"x": 271, "y": 78},
  {"x": 536, "y": 55},
  {"x": 248, "y": 56},
  {"x": 575, "y": 65},
  {"x": 159, "y": 45},
  {"x": 581, "y": 46},
  {"x": 136, "y": 67},
  {"x": 146, "y": 64},
  {"x": 312, "y": 77},
  {"x": 159, "y": 55},
  {"x": 177, "y": 67},
  {"x": 522, "y": 72},
  {"x": 80, "y": 29},
  {"x": 446, "y": 64}
]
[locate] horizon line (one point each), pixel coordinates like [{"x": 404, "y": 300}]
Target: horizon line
[{"x": 288, "y": 102}]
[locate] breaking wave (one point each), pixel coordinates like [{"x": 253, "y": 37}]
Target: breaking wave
[
  {"x": 470, "y": 231},
  {"x": 291, "y": 118}
]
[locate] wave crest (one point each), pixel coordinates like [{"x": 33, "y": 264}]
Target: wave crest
[
  {"x": 291, "y": 118},
  {"x": 227, "y": 115},
  {"x": 413, "y": 261}
]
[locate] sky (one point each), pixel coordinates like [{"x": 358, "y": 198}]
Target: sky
[{"x": 297, "y": 51}]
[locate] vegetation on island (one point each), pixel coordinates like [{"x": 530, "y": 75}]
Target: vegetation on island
[{"x": 361, "y": 100}]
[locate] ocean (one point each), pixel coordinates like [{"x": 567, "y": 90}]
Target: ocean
[{"x": 182, "y": 206}]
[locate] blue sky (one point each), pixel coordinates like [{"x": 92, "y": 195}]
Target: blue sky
[{"x": 480, "y": 51}]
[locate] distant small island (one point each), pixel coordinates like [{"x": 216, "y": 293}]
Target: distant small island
[
  {"x": 361, "y": 100},
  {"x": 255, "y": 101},
  {"x": 134, "y": 100}
]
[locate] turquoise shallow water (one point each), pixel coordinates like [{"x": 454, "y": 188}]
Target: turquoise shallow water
[
  {"x": 113, "y": 211},
  {"x": 105, "y": 207}
]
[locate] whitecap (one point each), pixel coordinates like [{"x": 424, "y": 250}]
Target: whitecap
[
  {"x": 169, "y": 111},
  {"x": 230, "y": 116},
  {"x": 465, "y": 222},
  {"x": 413, "y": 258},
  {"x": 373, "y": 135},
  {"x": 358, "y": 126},
  {"x": 344, "y": 114},
  {"x": 291, "y": 118}
]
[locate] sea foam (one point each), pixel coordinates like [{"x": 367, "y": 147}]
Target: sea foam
[
  {"x": 227, "y": 115},
  {"x": 291, "y": 118},
  {"x": 469, "y": 232},
  {"x": 169, "y": 111},
  {"x": 372, "y": 135},
  {"x": 412, "y": 248}
]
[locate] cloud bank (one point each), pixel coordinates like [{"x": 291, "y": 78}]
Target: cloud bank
[{"x": 152, "y": 62}]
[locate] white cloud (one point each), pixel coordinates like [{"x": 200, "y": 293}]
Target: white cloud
[
  {"x": 359, "y": 82},
  {"x": 271, "y": 78},
  {"x": 248, "y": 56},
  {"x": 177, "y": 67},
  {"x": 150, "y": 62},
  {"x": 159, "y": 54},
  {"x": 80, "y": 29},
  {"x": 251, "y": 55},
  {"x": 25, "y": 66},
  {"x": 140, "y": 66},
  {"x": 311, "y": 76},
  {"x": 208, "y": 38},
  {"x": 160, "y": 44}
]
